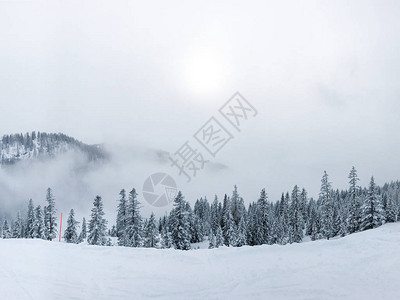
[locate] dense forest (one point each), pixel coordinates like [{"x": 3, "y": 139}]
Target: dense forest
[
  {"x": 228, "y": 222},
  {"x": 16, "y": 147}
]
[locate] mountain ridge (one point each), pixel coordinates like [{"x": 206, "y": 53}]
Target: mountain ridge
[{"x": 42, "y": 145}]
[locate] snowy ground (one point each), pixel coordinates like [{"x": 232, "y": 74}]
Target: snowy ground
[{"x": 361, "y": 266}]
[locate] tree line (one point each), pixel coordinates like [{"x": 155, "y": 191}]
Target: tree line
[
  {"x": 227, "y": 222},
  {"x": 41, "y": 145}
]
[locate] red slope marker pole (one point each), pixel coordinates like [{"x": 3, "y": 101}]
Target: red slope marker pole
[{"x": 59, "y": 238}]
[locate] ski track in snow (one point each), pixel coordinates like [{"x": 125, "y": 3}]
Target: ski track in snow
[{"x": 365, "y": 265}]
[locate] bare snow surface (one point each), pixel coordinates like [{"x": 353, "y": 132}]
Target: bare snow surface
[{"x": 361, "y": 266}]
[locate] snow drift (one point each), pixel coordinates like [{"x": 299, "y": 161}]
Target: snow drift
[{"x": 365, "y": 265}]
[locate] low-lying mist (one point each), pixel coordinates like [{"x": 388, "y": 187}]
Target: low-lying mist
[{"x": 75, "y": 181}]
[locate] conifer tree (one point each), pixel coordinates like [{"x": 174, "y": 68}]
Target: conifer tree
[
  {"x": 275, "y": 229},
  {"x": 70, "y": 234},
  {"x": 296, "y": 217},
  {"x": 97, "y": 224},
  {"x": 303, "y": 207},
  {"x": 241, "y": 233},
  {"x": 354, "y": 203},
  {"x": 315, "y": 226},
  {"x": 194, "y": 225},
  {"x": 151, "y": 233},
  {"x": 219, "y": 239},
  {"x": 30, "y": 221},
  {"x": 284, "y": 218},
  {"x": 134, "y": 234},
  {"x": 254, "y": 227},
  {"x": 215, "y": 222},
  {"x": 327, "y": 209},
  {"x": 263, "y": 210},
  {"x": 235, "y": 206},
  {"x": 180, "y": 226},
  {"x": 390, "y": 214},
  {"x": 83, "y": 234},
  {"x": 211, "y": 243},
  {"x": 6, "y": 230},
  {"x": 372, "y": 213},
  {"x": 17, "y": 231},
  {"x": 39, "y": 223},
  {"x": 50, "y": 216},
  {"x": 228, "y": 224},
  {"x": 343, "y": 221},
  {"x": 121, "y": 219},
  {"x": 166, "y": 239}
]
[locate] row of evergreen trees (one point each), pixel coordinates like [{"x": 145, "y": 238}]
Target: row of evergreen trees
[
  {"x": 295, "y": 215},
  {"x": 42, "y": 144},
  {"x": 39, "y": 223}
]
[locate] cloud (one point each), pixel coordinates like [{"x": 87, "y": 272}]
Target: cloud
[{"x": 325, "y": 84}]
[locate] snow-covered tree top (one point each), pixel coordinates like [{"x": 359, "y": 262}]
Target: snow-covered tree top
[{"x": 16, "y": 147}]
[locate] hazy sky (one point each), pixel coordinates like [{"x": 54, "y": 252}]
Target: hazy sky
[{"x": 323, "y": 75}]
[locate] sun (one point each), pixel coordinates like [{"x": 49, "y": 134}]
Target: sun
[{"x": 205, "y": 70}]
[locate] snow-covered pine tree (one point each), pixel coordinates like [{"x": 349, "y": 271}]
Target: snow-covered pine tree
[
  {"x": 234, "y": 201},
  {"x": 284, "y": 218},
  {"x": 39, "y": 223},
  {"x": 202, "y": 218},
  {"x": 263, "y": 211},
  {"x": 195, "y": 226},
  {"x": 354, "y": 202},
  {"x": 97, "y": 224},
  {"x": 315, "y": 227},
  {"x": 134, "y": 228},
  {"x": 215, "y": 220},
  {"x": 343, "y": 220},
  {"x": 151, "y": 233},
  {"x": 219, "y": 239},
  {"x": 390, "y": 213},
  {"x": 6, "y": 234},
  {"x": 254, "y": 233},
  {"x": 372, "y": 214},
  {"x": 17, "y": 227},
  {"x": 83, "y": 234},
  {"x": 240, "y": 239},
  {"x": 30, "y": 221},
  {"x": 211, "y": 244},
  {"x": 121, "y": 218},
  {"x": 228, "y": 224},
  {"x": 327, "y": 209},
  {"x": 296, "y": 217},
  {"x": 50, "y": 216},
  {"x": 238, "y": 208},
  {"x": 180, "y": 226},
  {"x": 335, "y": 195},
  {"x": 303, "y": 206},
  {"x": 166, "y": 238},
  {"x": 70, "y": 234},
  {"x": 275, "y": 226}
]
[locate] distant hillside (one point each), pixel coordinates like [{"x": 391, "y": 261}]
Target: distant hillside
[{"x": 41, "y": 145}]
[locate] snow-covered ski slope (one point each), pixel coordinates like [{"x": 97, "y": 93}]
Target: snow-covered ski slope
[{"x": 360, "y": 266}]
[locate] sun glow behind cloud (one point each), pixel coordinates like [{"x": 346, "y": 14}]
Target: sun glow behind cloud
[{"x": 206, "y": 67}]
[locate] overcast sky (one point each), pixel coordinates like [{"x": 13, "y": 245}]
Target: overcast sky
[{"x": 323, "y": 75}]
